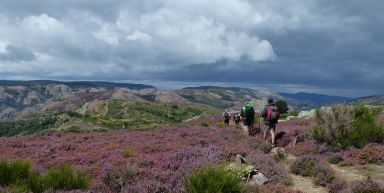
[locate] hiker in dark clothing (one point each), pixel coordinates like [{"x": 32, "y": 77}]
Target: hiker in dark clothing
[
  {"x": 236, "y": 118},
  {"x": 271, "y": 117},
  {"x": 226, "y": 117},
  {"x": 248, "y": 116}
]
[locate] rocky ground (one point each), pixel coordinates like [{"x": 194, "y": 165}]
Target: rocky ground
[{"x": 160, "y": 158}]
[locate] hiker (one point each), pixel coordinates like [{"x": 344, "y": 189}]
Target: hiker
[
  {"x": 271, "y": 117},
  {"x": 248, "y": 116},
  {"x": 236, "y": 118},
  {"x": 226, "y": 117}
]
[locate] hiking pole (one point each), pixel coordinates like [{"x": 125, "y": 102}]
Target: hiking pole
[{"x": 259, "y": 124}]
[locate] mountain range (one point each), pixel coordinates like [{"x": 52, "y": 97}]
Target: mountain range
[{"x": 30, "y": 106}]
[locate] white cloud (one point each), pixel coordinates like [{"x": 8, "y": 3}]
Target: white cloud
[
  {"x": 138, "y": 38},
  {"x": 167, "y": 35}
]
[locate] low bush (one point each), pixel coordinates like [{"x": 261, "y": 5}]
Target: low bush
[
  {"x": 205, "y": 124},
  {"x": 36, "y": 183},
  {"x": 268, "y": 188},
  {"x": 305, "y": 166},
  {"x": 335, "y": 159},
  {"x": 18, "y": 176},
  {"x": 370, "y": 154},
  {"x": 337, "y": 186},
  {"x": 367, "y": 186},
  {"x": 266, "y": 147},
  {"x": 115, "y": 179},
  {"x": 75, "y": 129},
  {"x": 14, "y": 172},
  {"x": 267, "y": 165},
  {"x": 280, "y": 155},
  {"x": 65, "y": 178},
  {"x": 348, "y": 126},
  {"x": 221, "y": 125},
  {"x": 214, "y": 180},
  {"x": 311, "y": 166},
  {"x": 128, "y": 152}
]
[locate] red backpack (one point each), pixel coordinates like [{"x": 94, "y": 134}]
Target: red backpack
[{"x": 272, "y": 114}]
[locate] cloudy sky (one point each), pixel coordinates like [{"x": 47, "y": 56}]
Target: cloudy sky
[{"x": 326, "y": 46}]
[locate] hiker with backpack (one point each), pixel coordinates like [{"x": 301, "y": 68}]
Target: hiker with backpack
[
  {"x": 248, "y": 117},
  {"x": 236, "y": 118},
  {"x": 226, "y": 117},
  {"x": 271, "y": 117}
]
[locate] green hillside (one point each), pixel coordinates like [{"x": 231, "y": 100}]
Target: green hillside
[
  {"x": 132, "y": 115},
  {"x": 109, "y": 114}
]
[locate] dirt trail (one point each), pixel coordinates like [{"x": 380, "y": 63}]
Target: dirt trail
[
  {"x": 301, "y": 183},
  {"x": 106, "y": 108},
  {"x": 349, "y": 174}
]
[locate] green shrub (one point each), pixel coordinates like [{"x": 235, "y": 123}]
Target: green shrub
[
  {"x": 213, "y": 180},
  {"x": 266, "y": 147},
  {"x": 35, "y": 183},
  {"x": 116, "y": 179},
  {"x": 310, "y": 166},
  {"x": 367, "y": 186},
  {"x": 14, "y": 172},
  {"x": 348, "y": 126},
  {"x": 75, "y": 129},
  {"x": 282, "y": 106},
  {"x": 205, "y": 124},
  {"x": 335, "y": 159},
  {"x": 65, "y": 178},
  {"x": 304, "y": 166},
  {"x": 128, "y": 152},
  {"x": 18, "y": 176}
]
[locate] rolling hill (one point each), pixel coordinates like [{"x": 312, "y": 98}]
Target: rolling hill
[
  {"x": 33, "y": 106},
  {"x": 377, "y": 100},
  {"x": 314, "y": 98}
]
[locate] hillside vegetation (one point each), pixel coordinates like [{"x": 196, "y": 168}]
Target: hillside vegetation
[
  {"x": 134, "y": 115},
  {"x": 109, "y": 114}
]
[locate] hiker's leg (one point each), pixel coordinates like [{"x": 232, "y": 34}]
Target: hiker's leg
[
  {"x": 273, "y": 127},
  {"x": 265, "y": 131},
  {"x": 246, "y": 130}
]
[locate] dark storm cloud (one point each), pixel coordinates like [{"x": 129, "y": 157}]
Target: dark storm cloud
[
  {"x": 15, "y": 54},
  {"x": 325, "y": 44}
]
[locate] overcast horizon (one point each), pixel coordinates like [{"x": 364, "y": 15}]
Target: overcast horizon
[{"x": 318, "y": 46}]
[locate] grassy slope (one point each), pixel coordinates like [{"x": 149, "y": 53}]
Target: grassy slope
[
  {"x": 111, "y": 114},
  {"x": 133, "y": 115}
]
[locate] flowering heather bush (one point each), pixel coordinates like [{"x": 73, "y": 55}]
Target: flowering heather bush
[
  {"x": 115, "y": 179},
  {"x": 337, "y": 186},
  {"x": 370, "y": 154},
  {"x": 274, "y": 171},
  {"x": 311, "y": 166},
  {"x": 268, "y": 188},
  {"x": 266, "y": 147},
  {"x": 367, "y": 186},
  {"x": 165, "y": 156},
  {"x": 335, "y": 159},
  {"x": 304, "y": 148}
]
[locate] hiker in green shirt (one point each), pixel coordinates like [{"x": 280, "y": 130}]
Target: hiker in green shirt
[{"x": 248, "y": 116}]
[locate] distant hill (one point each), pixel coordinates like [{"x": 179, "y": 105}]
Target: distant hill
[
  {"x": 370, "y": 100},
  {"x": 74, "y": 84},
  {"x": 314, "y": 98},
  {"x": 31, "y": 106}
]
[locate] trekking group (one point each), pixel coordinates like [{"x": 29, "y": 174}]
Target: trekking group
[{"x": 246, "y": 116}]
